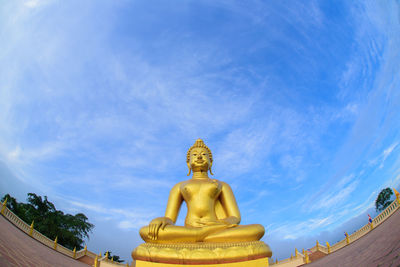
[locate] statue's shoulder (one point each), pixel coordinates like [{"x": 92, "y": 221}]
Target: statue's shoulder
[
  {"x": 177, "y": 186},
  {"x": 225, "y": 185},
  {"x": 221, "y": 183}
]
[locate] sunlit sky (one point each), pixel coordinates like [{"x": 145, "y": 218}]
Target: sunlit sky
[{"x": 298, "y": 100}]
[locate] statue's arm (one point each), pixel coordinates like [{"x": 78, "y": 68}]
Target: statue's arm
[
  {"x": 228, "y": 201},
  {"x": 171, "y": 213},
  {"x": 174, "y": 203}
]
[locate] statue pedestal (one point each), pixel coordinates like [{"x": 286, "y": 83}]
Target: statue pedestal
[
  {"x": 235, "y": 254},
  {"x": 263, "y": 262}
]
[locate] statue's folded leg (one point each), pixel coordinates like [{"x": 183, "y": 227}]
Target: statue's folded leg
[
  {"x": 172, "y": 234},
  {"x": 251, "y": 232},
  {"x": 176, "y": 234},
  {"x": 200, "y": 245}
]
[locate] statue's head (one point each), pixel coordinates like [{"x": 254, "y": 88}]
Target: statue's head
[{"x": 199, "y": 157}]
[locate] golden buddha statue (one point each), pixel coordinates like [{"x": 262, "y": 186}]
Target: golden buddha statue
[{"x": 212, "y": 219}]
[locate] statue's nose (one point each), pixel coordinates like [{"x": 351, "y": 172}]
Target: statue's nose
[{"x": 199, "y": 156}]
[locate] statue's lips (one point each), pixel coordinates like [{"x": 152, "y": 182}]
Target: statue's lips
[{"x": 199, "y": 161}]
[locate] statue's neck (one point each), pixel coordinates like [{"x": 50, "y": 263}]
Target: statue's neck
[{"x": 200, "y": 175}]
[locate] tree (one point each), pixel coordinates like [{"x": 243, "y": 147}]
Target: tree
[
  {"x": 70, "y": 229},
  {"x": 113, "y": 257},
  {"x": 383, "y": 199}
]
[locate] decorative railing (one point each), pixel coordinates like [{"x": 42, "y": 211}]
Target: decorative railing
[
  {"x": 292, "y": 261},
  {"x": 29, "y": 230},
  {"x": 23, "y": 226},
  {"x": 386, "y": 213},
  {"x": 298, "y": 259}
]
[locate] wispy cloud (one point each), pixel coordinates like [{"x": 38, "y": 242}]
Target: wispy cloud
[
  {"x": 293, "y": 100},
  {"x": 386, "y": 153},
  {"x": 295, "y": 230},
  {"x": 127, "y": 219},
  {"x": 333, "y": 199},
  {"x": 32, "y": 3},
  {"x": 381, "y": 158}
]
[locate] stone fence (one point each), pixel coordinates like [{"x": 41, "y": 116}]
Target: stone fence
[
  {"x": 302, "y": 258},
  {"x": 98, "y": 260},
  {"x": 298, "y": 259}
]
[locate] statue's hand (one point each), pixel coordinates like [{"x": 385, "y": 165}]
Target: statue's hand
[
  {"x": 227, "y": 222},
  {"x": 156, "y": 224},
  {"x": 209, "y": 223},
  {"x": 232, "y": 220}
]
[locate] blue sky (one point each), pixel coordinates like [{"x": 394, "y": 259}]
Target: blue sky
[{"x": 298, "y": 101}]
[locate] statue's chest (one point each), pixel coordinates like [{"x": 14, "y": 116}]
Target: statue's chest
[{"x": 201, "y": 189}]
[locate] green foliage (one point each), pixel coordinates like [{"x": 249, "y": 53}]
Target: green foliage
[
  {"x": 383, "y": 199},
  {"x": 70, "y": 229},
  {"x": 114, "y": 257}
]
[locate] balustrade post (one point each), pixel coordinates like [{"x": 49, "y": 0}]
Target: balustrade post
[
  {"x": 397, "y": 195},
  {"x": 55, "y": 243},
  {"x": 4, "y": 206},
  {"x": 307, "y": 258},
  {"x": 328, "y": 247},
  {"x": 347, "y": 238},
  {"x": 31, "y": 229},
  {"x": 74, "y": 251}
]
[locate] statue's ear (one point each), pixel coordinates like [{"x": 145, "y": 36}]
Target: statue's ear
[
  {"x": 210, "y": 168},
  {"x": 190, "y": 169}
]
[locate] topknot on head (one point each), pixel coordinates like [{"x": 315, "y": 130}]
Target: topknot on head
[{"x": 199, "y": 143}]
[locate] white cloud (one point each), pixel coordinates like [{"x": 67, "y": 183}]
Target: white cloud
[
  {"x": 140, "y": 183},
  {"x": 242, "y": 148},
  {"x": 297, "y": 229},
  {"x": 108, "y": 117},
  {"x": 14, "y": 154},
  {"x": 256, "y": 198},
  {"x": 126, "y": 225},
  {"x": 32, "y": 3},
  {"x": 92, "y": 207},
  {"x": 345, "y": 180},
  {"x": 381, "y": 158},
  {"x": 386, "y": 153},
  {"x": 334, "y": 196},
  {"x": 124, "y": 218},
  {"x": 30, "y": 155}
]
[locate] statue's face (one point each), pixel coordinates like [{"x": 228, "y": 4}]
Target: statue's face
[{"x": 199, "y": 159}]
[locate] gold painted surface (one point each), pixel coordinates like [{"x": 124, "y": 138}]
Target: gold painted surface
[
  {"x": 202, "y": 253},
  {"x": 263, "y": 262},
  {"x": 213, "y": 215}
]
